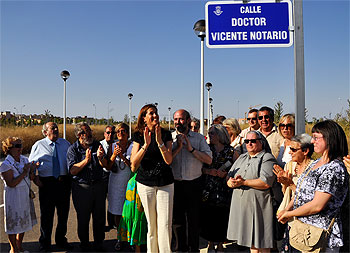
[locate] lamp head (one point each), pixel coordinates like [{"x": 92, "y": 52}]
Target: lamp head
[
  {"x": 208, "y": 86},
  {"x": 65, "y": 75},
  {"x": 130, "y": 95},
  {"x": 199, "y": 28}
]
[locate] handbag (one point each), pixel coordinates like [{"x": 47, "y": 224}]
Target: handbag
[{"x": 306, "y": 237}]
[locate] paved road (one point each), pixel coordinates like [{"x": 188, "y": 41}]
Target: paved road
[{"x": 31, "y": 237}]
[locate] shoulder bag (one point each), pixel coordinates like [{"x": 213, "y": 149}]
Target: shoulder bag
[{"x": 306, "y": 237}]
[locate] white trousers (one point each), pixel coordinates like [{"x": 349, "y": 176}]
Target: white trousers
[{"x": 158, "y": 205}]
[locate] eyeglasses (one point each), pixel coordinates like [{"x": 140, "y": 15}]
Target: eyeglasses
[
  {"x": 110, "y": 132},
  {"x": 294, "y": 149},
  {"x": 246, "y": 141},
  {"x": 286, "y": 126},
  {"x": 249, "y": 119},
  {"x": 316, "y": 138},
  {"x": 264, "y": 117},
  {"x": 121, "y": 131},
  {"x": 18, "y": 145}
]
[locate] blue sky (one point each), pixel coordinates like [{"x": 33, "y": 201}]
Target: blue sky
[{"x": 148, "y": 48}]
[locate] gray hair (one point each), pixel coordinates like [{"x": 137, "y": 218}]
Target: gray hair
[
  {"x": 223, "y": 136},
  {"x": 44, "y": 130},
  {"x": 233, "y": 124},
  {"x": 265, "y": 144},
  {"x": 305, "y": 142},
  {"x": 78, "y": 128}
]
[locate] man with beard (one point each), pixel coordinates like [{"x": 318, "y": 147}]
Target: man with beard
[
  {"x": 86, "y": 160},
  {"x": 190, "y": 151},
  {"x": 54, "y": 186}
]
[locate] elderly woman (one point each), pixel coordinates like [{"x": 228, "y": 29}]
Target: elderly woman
[
  {"x": 322, "y": 188},
  {"x": 120, "y": 174},
  {"x": 152, "y": 154},
  {"x": 301, "y": 150},
  {"x": 286, "y": 128},
  {"x": 216, "y": 195},
  {"x": 19, "y": 209},
  {"x": 233, "y": 129},
  {"x": 251, "y": 213}
]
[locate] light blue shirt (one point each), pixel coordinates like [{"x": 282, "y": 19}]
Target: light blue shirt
[{"x": 42, "y": 151}]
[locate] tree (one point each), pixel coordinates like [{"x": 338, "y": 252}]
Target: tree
[
  {"x": 278, "y": 111},
  {"x": 126, "y": 118},
  {"x": 306, "y": 115}
]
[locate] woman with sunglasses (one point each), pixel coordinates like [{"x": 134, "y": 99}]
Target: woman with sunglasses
[
  {"x": 152, "y": 155},
  {"x": 19, "y": 212},
  {"x": 216, "y": 195},
  {"x": 286, "y": 128},
  {"x": 120, "y": 174},
  {"x": 301, "y": 150},
  {"x": 251, "y": 213},
  {"x": 322, "y": 188}
]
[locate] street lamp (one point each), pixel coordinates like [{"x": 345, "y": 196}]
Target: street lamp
[
  {"x": 130, "y": 95},
  {"x": 65, "y": 75},
  {"x": 156, "y": 104},
  {"x": 169, "y": 108},
  {"x": 108, "y": 112},
  {"x": 199, "y": 30},
  {"x": 22, "y": 115},
  {"x": 208, "y": 86},
  {"x": 210, "y": 111},
  {"x": 95, "y": 113}
]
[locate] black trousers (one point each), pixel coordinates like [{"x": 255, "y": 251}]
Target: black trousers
[
  {"x": 54, "y": 194},
  {"x": 187, "y": 195},
  {"x": 90, "y": 200}
]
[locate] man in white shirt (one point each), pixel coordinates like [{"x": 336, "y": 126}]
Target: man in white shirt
[
  {"x": 253, "y": 123},
  {"x": 190, "y": 151}
]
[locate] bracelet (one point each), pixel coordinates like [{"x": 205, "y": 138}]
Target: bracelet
[
  {"x": 161, "y": 145},
  {"x": 193, "y": 149},
  {"x": 144, "y": 148}
]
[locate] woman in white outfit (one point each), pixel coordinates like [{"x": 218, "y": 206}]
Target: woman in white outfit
[{"x": 19, "y": 209}]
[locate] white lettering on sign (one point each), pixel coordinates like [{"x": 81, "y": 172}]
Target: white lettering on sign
[
  {"x": 250, "y": 9},
  {"x": 268, "y": 35},
  {"x": 249, "y": 21},
  {"x": 253, "y": 35},
  {"x": 222, "y": 36}
]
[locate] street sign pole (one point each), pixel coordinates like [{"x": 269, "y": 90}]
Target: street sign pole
[{"x": 299, "y": 69}]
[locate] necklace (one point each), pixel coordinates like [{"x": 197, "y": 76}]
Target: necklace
[{"x": 306, "y": 165}]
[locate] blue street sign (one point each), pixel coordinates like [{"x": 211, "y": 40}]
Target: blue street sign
[{"x": 234, "y": 24}]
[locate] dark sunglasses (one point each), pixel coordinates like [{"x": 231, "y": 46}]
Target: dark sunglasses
[
  {"x": 264, "y": 117},
  {"x": 251, "y": 119},
  {"x": 294, "y": 149},
  {"x": 246, "y": 141},
  {"x": 122, "y": 131},
  {"x": 110, "y": 132},
  {"x": 18, "y": 145},
  {"x": 287, "y": 126}
]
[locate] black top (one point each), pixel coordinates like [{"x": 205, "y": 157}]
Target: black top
[
  {"x": 93, "y": 171},
  {"x": 153, "y": 171}
]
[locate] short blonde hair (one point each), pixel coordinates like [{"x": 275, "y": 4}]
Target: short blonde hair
[
  {"x": 289, "y": 116},
  {"x": 7, "y": 144},
  {"x": 233, "y": 124}
]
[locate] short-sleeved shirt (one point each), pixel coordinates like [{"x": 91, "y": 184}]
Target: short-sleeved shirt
[
  {"x": 185, "y": 165},
  {"x": 153, "y": 170},
  {"x": 274, "y": 139},
  {"x": 331, "y": 178},
  {"x": 93, "y": 171}
]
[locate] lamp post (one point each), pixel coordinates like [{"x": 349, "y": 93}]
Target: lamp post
[
  {"x": 169, "y": 108},
  {"x": 65, "y": 75},
  {"x": 199, "y": 29},
  {"x": 210, "y": 111},
  {"x": 95, "y": 113},
  {"x": 208, "y": 86},
  {"x": 22, "y": 115},
  {"x": 108, "y": 112},
  {"x": 130, "y": 95}
]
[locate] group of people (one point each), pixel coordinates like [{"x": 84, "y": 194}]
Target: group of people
[{"x": 166, "y": 189}]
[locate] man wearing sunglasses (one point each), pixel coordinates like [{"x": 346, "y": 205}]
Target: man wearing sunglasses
[
  {"x": 107, "y": 144},
  {"x": 269, "y": 129},
  {"x": 253, "y": 123},
  {"x": 55, "y": 186}
]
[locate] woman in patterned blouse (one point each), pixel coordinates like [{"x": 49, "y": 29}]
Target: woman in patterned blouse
[{"x": 321, "y": 189}]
